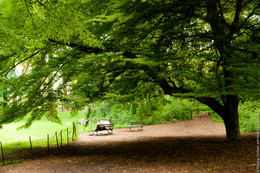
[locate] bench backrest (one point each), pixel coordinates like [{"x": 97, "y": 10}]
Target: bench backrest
[
  {"x": 137, "y": 123},
  {"x": 108, "y": 125}
]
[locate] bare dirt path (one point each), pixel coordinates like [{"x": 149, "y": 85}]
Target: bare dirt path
[{"x": 194, "y": 146}]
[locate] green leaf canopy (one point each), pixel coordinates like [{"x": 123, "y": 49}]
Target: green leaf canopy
[{"x": 74, "y": 51}]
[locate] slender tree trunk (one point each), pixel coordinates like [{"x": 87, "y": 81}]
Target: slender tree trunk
[
  {"x": 65, "y": 92},
  {"x": 5, "y": 100}
]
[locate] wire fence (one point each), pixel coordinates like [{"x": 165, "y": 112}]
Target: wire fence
[
  {"x": 51, "y": 141},
  {"x": 55, "y": 140}
]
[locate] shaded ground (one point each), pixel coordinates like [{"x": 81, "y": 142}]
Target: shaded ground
[{"x": 195, "y": 146}]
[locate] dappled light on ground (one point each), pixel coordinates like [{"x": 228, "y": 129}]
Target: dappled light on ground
[{"x": 195, "y": 146}]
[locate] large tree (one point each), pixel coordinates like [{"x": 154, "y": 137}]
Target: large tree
[{"x": 207, "y": 50}]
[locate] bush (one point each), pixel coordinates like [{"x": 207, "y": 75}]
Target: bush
[
  {"x": 167, "y": 109},
  {"x": 249, "y": 116},
  {"x": 153, "y": 111},
  {"x": 114, "y": 112}
]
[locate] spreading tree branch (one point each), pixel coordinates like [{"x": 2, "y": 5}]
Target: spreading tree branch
[{"x": 6, "y": 72}]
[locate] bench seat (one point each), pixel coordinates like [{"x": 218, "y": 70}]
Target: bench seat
[
  {"x": 136, "y": 124},
  {"x": 108, "y": 127}
]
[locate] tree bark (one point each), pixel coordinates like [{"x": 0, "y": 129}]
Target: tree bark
[
  {"x": 228, "y": 112},
  {"x": 222, "y": 41},
  {"x": 231, "y": 118},
  {"x": 5, "y": 100}
]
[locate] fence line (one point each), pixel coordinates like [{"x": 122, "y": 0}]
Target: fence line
[
  {"x": 48, "y": 144},
  {"x": 57, "y": 141},
  {"x": 67, "y": 135},
  {"x": 75, "y": 129},
  {"x": 30, "y": 139},
  {"x": 2, "y": 151},
  {"x": 61, "y": 138},
  {"x": 73, "y": 136}
]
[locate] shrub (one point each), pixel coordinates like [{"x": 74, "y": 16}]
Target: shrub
[{"x": 167, "y": 109}]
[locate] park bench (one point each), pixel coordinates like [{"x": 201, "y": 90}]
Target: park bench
[
  {"x": 108, "y": 127},
  {"x": 136, "y": 124}
]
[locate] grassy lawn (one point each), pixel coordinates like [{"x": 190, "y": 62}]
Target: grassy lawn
[
  {"x": 13, "y": 139},
  {"x": 38, "y": 129}
]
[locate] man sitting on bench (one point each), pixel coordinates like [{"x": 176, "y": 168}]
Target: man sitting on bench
[{"x": 101, "y": 125}]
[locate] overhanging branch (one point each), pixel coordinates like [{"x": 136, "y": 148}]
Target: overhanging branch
[
  {"x": 6, "y": 72},
  {"x": 213, "y": 104}
]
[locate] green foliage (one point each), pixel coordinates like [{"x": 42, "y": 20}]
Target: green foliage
[
  {"x": 114, "y": 112},
  {"x": 249, "y": 116},
  {"x": 133, "y": 109},
  {"x": 160, "y": 110},
  {"x": 215, "y": 117},
  {"x": 14, "y": 161},
  {"x": 201, "y": 108},
  {"x": 153, "y": 110},
  {"x": 78, "y": 52}
]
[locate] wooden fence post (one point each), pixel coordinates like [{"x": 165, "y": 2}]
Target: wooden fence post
[
  {"x": 2, "y": 151},
  {"x": 77, "y": 128},
  {"x": 48, "y": 144},
  {"x": 74, "y": 135},
  {"x": 57, "y": 140},
  {"x": 61, "y": 138},
  {"x": 73, "y": 131},
  {"x": 68, "y": 135},
  {"x": 30, "y": 139}
]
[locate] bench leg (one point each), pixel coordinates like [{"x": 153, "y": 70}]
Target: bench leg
[
  {"x": 94, "y": 132},
  {"x": 110, "y": 130}
]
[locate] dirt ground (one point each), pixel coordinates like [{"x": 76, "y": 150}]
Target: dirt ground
[{"x": 193, "y": 146}]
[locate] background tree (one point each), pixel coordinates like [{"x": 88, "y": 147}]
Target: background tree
[{"x": 207, "y": 50}]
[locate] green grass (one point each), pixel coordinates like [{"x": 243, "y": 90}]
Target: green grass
[
  {"x": 38, "y": 129},
  {"x": 14, "y": 140},
  {"x": 14, "y": 161}
]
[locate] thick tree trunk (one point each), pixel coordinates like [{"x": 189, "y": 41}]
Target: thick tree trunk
[
  {"x": 228, "y": 112},
  {"x": 222, "y": 35},
  {"x": 232, "y": 126},
  {"x": 231, "y": 118}
]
